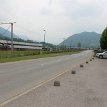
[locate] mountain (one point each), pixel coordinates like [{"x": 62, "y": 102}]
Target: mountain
[
  {"x": 6, "y": 33},
  {"x": 84, "y": 40},
  {"x": 24, "y": 37}
]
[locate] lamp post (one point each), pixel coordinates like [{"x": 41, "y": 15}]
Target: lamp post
[
  {"x": 44, "y": 37},
  {"x": 63, "y": 43},
  {"x": 11, "y": 23}
]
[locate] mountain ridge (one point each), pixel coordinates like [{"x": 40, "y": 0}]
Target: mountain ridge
[
  {"x": 6, "y": 33},
  {"x": 85, "y": 39}
]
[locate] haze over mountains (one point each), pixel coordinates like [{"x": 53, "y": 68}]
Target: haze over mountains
[
  {"x": 4, "y": 33},
  {"x": 84, "y": 39}
]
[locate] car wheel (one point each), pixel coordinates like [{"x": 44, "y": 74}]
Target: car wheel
[{"x": 101, "y": 57}]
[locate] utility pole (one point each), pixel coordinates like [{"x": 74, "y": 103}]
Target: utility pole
[
  {"x": 11, "y": 23},
  {"x": 44, "y": 37},
  {"x": 12, "y": 48},
  {"x": 63, "y": 43}
]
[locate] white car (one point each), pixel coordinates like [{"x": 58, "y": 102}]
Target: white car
[{"x": 102, "y": 55}]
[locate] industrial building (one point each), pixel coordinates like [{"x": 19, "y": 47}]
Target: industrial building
[{"x": 5, "y": 44}]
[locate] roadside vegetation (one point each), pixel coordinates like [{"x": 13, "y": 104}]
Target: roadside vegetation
[
  {"x": 103, "y": 39},
  {"x": 103, "y": 42},
  {"x": 8, "y": 56}
]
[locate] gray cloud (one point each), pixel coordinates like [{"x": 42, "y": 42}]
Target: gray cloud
[
  {"x": 60, "y": 18},
  {"x": 86, "y": 11}
]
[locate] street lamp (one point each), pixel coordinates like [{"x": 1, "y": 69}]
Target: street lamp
[
  {"x": 11, "y": 23},
  {"x": 63, "y": 43},
  {"x": 44, "y": 37}
]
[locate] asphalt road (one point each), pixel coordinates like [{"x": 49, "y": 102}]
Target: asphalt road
[{"x": 17, "y": 77}]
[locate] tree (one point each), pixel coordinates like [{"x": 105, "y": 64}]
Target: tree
[{"x": 103, "y": 39}]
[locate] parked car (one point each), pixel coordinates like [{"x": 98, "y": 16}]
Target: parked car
[{"x": 102, "y": 55}]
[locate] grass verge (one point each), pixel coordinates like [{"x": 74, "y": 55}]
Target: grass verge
[{"x": 12, "y": 59}]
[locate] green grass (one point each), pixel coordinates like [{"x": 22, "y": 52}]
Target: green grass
[{"x": 6, "y": 56}]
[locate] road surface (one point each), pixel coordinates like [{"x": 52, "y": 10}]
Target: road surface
[{"x": 17, "y": 77}]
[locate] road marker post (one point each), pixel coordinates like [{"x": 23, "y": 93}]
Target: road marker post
[
  {"x": 73, "y": 72},
  {"x": 56, "y": 83},
  {"x": 81, "y": 66}
]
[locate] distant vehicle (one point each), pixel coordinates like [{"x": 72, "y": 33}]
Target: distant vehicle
[{"x": 102, "y": 55}]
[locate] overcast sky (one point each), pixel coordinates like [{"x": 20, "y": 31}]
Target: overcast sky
[{"x": 60, "y": 18}]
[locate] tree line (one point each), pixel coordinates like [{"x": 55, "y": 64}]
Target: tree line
[{"x": 103, "y": 39}]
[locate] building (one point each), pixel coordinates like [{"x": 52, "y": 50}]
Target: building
[{"x": 20, "y": 45}]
